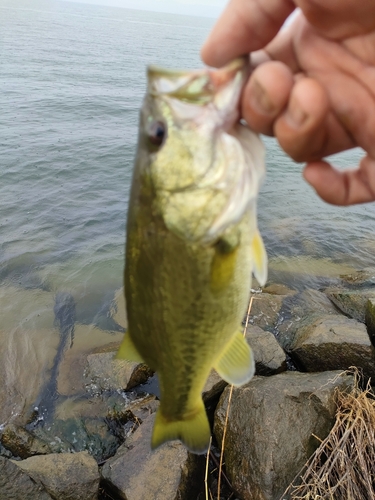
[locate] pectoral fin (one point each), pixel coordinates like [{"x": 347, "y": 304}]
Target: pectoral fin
[
  {"x": 236, "y": 364},
  {"x": 260, "y": 259},
  {"x": 128, "y": 350}
]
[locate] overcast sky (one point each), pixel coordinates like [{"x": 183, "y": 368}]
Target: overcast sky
[{"x": 210, "y": 8}]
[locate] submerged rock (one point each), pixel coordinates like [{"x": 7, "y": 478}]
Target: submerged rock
[
  {"x": 93, "y": 435},
  {"x": 87, "y": 339},
  {"x": 334, "y": 343},
  {"x": 168, "y": 473},
  {"x": 118, "y": 308},
  {"x": 15, "y": 484},
  {"x": 275, "y": 423},
  {"x": 364, "y": 277},
  {"x": 65, "y": 476}
]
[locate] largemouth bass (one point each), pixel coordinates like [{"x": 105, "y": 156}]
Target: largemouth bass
[{"x": 192, "y": 242}]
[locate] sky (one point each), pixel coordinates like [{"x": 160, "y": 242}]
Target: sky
[{"x": 207, "y": 8}]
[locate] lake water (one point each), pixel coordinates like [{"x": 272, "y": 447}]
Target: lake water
[{"x": 72, "y": 79}]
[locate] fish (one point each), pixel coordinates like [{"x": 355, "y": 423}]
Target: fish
[{"x": 192, "y": 242}]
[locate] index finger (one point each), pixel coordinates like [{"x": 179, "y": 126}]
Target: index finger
[{"x": 244, "y": 26}]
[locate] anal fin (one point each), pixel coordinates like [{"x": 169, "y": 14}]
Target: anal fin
[
  {"x": 236, "y": 364},
  {"x": 128, "y": 350},
  {"x": 194, "y": 430}
]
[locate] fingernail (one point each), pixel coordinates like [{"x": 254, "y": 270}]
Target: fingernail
[
  {"x": 295, "y": 114},
  {"x": 260, "y": 100}
]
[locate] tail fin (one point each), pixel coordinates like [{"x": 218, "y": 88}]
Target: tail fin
[{"x": 194, "y": 432}]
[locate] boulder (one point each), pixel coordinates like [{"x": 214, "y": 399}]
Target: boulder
[
  {"x": 15, "y": 484},
  {"x": 137, "y": 473},
  {"x": 65, "y": 476},
  {"x": 213, "y": 388},
  {"x": 301, "y": 310},
  {"x": 269, "y": 356},
  {"x": 265, "y": 310},
  {"x": 334, "y": 343},
  {"x": 351, "y": 302},
  {"x": 370, "y": 319},
  {"x": 105, "y": 373},
  {"x": 22, "y": 443},
  {"x": 275, "y": 424}
]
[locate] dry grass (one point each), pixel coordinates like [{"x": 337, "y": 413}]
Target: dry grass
[{"x": 343, "y": 467}]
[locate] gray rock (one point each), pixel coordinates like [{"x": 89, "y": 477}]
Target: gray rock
[
  {"x": 351, "y": 302},
  {"x": 22, "y": 443},
  {"x": 65, "y": 476},
  {"x": 137, "y": 473},
  {"x": 334, "y": 343},
  {"x": 272, "y": 426},
  {"x": 370, "y": 319},
  {"x": 213, "y": 388},
  {"x": 15, "y": 484},
  {"x": 269, "y": 356},
  {"x": 301, "y": 310},
  {"x": 104, "y": 373},
  {"x": 265, "y": 310}
]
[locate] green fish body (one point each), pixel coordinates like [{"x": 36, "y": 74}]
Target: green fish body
[{"x": 192, "y": 243}]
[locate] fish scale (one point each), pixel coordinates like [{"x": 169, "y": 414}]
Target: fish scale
[{"x": 192, "y": 243}]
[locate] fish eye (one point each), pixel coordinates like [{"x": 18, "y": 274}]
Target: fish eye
[{"x": 156, "y": 133}]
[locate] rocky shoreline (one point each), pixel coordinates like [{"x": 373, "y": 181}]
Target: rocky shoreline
[{"x": 97, "y": 442}]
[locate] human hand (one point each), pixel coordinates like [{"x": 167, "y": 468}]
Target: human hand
[{"x": 312, "y": 85}]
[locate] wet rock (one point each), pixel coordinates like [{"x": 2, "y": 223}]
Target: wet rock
[
  {"x": 265, "y": 310},
  {"x": 81, "y": 434},
  {"x": 300, "y": 310},
  {"x": 118, "y": 308},
  {"x": 15, "y": 484},
  {"x": 370, "y": 319},
  {"x": 137, "y": 473},
  {"x": 278, "y": 289},
  {"x": 364, "y": 277},
  {"x": 351, "y": 302},
  {"x": 269, "y": 356},
  {"x": 65, "y": 476},
  {"x": 105, "y": 373},
  {"x": 334, "y": 343},
  {"x": 272, "y": 426},
  {"x": 22, "y": 443}
]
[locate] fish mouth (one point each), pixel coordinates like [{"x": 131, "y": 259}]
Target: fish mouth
[{"x": 220, "y": 87}]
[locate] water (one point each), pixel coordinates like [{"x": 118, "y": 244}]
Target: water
[{"x": 72, "y": 80}]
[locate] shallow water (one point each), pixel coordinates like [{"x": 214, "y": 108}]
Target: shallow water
[{"x": 72, "y": 79}]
